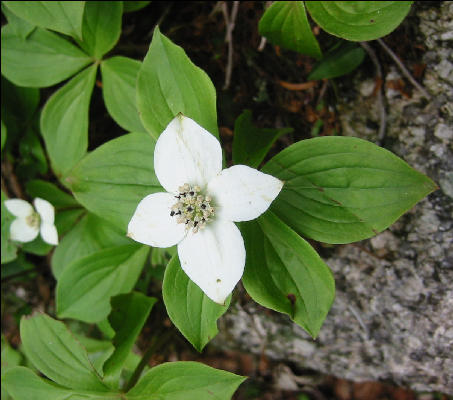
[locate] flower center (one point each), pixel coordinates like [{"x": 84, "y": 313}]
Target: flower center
[
  {"x": 33, "y": 220},
  {"x": 192, "y": 208}
]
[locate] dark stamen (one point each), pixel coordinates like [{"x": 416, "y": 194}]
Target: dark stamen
[
  {"x": 195, "y": 224},
  {"x": 203, "y": 206},
  {"x": 189, "y": 209},
  {"x": 172, "y": 213},
  {"x": 191, "y": 193}
]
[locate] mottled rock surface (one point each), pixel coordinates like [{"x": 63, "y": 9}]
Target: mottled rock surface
[{"x": 393, "y": 314}]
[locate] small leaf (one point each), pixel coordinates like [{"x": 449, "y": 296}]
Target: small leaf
[
  {"x": 90, "y": 235},
  {"x": 130, "y": 6},
  {"x": 9, "y": 248},
  {"x": 193, "y": 313},
  {"x": 112, "y": 180},
  {"x": 101, "y": 27},
  {"x": 64, "y": 121},
  {"x": 285, "y": 24},
  {"x": 86, "y": 285},
  {"x": 53, "y": 350},
  {"x": 119, "y": 76},
  {"x": 358, "y": 20},
  {"x": 251, "y": 144},
  {"x": 169, "y": 83},
  {"x": 284, "y": 273},
  {"x": 343, "y": 189},
  {"x": 61, "y": 16},
  {"x": 4, "y": 130},
  {"x": 339, "y": 61},
  {"x": 48, "y": 191},
  {"x": 185, "y": 380},
  {"x": 21, "y": 27},
  {"x": 129, "y": 314},
  {"x": 43, "y": 59}
]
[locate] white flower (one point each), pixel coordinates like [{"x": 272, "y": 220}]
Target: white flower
[
  {"x": 202, "y": 202},
  {"x": 29, "y": 222}
]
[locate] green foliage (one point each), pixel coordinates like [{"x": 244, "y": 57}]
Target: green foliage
[
  {"x": 340, "y": 60},
  {"x": 251, "y": 144},
  {"x": 358, "y": 20},
  {"x": 284, "y": 273},
  {"x": 9, "y": 248},
  {"x": 285, "y": 23},
  {"x": 193, "y": 313},
  {"x": 169, "y": 83},
  {"x": 21, "y": 27},
  {"x": 343, "y": 189}
]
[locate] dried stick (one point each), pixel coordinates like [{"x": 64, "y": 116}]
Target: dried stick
[
  {"x": 382, "y": 113},
  {"x": 404, "y": 70},
  {"x": 230, "y": 21}
]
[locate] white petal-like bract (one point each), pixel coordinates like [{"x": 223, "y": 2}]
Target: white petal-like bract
[
  {"x": 45, "y": 210},
  {"x": 19, "y": 208},
  {"x": 241, "y": 193},
  {"x": 186, "y": 153},
  {"x": 152, "y": 224},
  {"x": 214, "y": 258},
  {"x": 22, "y": 232},
  {"x": 49, "y": 233}
]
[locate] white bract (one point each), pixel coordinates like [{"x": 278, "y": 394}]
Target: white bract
[
  {"x": 29, "y": 223},
  {"x": 200, "y": 206}
]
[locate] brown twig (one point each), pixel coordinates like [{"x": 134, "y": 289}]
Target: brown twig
[
  {"x": 11, "y": 180},
  {"x": 404, "y": 70},
  {"x": 382, "y": 113},
  {"x": 230, "y": 21}
]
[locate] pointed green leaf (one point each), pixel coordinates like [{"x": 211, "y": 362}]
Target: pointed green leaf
[
  {"x": 251, "y": 144},
  {"x": 193, "y": 313},
  {"x": 129, "y": 314},
  {"x": 339, "y": 61},
  {"x": 185, "y": 380},
  {"x": 284, "y": 273},
  {"x": 130, "y": 6},
  {"x": 358, "y": 20},
  {"x": 9, "y": 248},
  {"x": 285, "y": 24},
  {"x": 111, "y": 181},
  {"x": 64, "y": 121},
  {"x": 4, "y": 130},
  {"x": 43, "y": 59},
  {"x": 343, "y": 189},
  {"x": 21, "y": 27},
  {"x": 51, "y": 193},
  {"x": 88, "y": 236},
  {"x": 169, "y": 83},
  {"x": 61, "y": 16},
  {"x": 119, "y": 77},
  {"x": 86, "y": 285},
  {"x": 101, "y": 27},
  {"x": 55, "y": 352}
]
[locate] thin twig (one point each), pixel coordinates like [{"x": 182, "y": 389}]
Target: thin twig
[
  {"x": 382, "y": 113},
  {"x": 230, "y": 21},
  {"x": 404, "y": 70},
  {"x": 262, "y": 43}
]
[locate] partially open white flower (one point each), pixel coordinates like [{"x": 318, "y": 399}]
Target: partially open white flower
[
  {"x": 202, "y": 202},
  {"x": 29, "y": 223}
]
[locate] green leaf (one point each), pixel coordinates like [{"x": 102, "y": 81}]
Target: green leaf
[
  {"x": 4, "y": 130},
  {"x": 32, "y": 159},
  {"x": 51, "y": 193},
  {"x": 21, "y": 27},
  {"x": 66, "y": 219},
  {"x": 9, "y": 248},
  {"x": 185, "y": 380},
  {"x": 10, "y": 357},
  {"x": 285, "y": 24},
  {"x": 251, "y": 144},
  {"x": 119, "y": 76},
  {"x": 101, "y": 27},
  {"x": 61, "y": 16},
  {"x": 43, "y": 59},
  {"x": 284, "y": 273},
  {"x": 89, "y": 236},
  {"x": 358, "y": 20},
  {"x": 54, "y": 351},
  {"x": 64, "y": 121},
  {"x": 130, "y": 6},
  {"x": 169, "y": 83},
  {"x": 129, "y": 314},
  {"x": 86, "y": 285},
  {"x": 343, "y": 189},
  {"x": 339, "y": 61},
  {"x": 114, "y": 178},
  {"x": 193, "y": 313}
]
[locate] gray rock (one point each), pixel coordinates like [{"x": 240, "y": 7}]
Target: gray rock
[{"x": 392, "y": 318}]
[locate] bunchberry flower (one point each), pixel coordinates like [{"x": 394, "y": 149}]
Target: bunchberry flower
[
  {"x": 200, "y": 207},
  {"x": 29, "y": 223}
]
